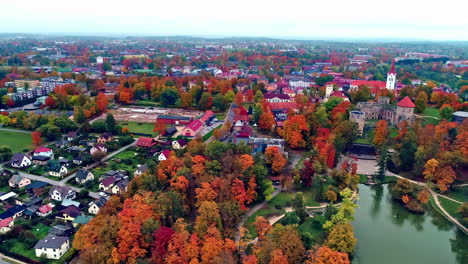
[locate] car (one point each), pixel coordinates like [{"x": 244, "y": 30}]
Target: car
[{"x": 103, "y": 194}]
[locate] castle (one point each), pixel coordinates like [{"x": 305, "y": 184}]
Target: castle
[{"x": 383, "y": 110}]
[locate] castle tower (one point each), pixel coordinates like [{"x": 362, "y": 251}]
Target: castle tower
[
  {"x": 328, "y": 90},
  {"x": 391, "y": 77}
]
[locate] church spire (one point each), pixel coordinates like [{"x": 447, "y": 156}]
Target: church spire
[{"x": 392, "y": 69}]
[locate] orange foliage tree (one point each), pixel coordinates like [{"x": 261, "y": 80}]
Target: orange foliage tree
[
  {"x": 267, "y": 121},
  {"x": 381, "y": 133},
  {"x": 324, "y": 255},
  {"x": 275, "y": 158},
  {"x": 36, "y": 138}
]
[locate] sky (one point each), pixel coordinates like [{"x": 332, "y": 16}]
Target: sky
[{"x": 302, "y": 19}]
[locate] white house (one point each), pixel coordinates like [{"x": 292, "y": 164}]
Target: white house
[
  {"x": 140, "y": 170},
  {"x": 19, "y": 160},
  {"x": 164, "y": 155},
  {"x": 179, "y": 144},
  {"x": 95, "y": 206},
  {"x": 60, "y": 193},
  {"x": 52, "y": 247},
  {"x": 56, "y": 169},
  {"x": 6, "y": 225},
  {"x": 98, "y": 147},
  {"x": 46, "y": 152},
  {"x": 18, "y": 181},
  {"x": 83, "y": 176}
]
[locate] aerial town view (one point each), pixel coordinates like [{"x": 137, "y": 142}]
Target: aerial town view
[{"x": 197, "y": 138}]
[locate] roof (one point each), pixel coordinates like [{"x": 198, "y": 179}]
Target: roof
[
  {"x": 108, "y": 181},
  {"x": 182, "y": 142},
  {"x": 101, "y": 201},
  {"x": 71, "y": 210},
  {"x": 6, "y": 222},
  {"x": 41, "y": 157},
  {"x": 370, "y": 84},
  {"x": 63, "y": 190},
  {"x": 45, "y": 208},
  {"x": 283, "y": 105},
  {"x": 5, "y": 215},
  {"x": 40, "y": 150},
  {"x": 82, "y": 174},
  {"x": 51, "y": 241},
  {"x": 195, "y": 125},
  {"x": 36, "y": 185},
  {"x": 59, "y": 230},
  {"x": 68, "y": 202},
  {"x": 174, "y": 117},
  {"x": 392, "y": 69},
  {"x": 166, "y": 153},
  {"x": 16, "y": 209},
  {"x": 7, "y": 196},
  {"x": 461, "y": 113},
  {"x": 142, "y": 168},
  {"x": 145, "y": 142},
  {"x": 406, "y": 102},
  {"x": 18, "y": 157},
  {"x": 276, "y": 95},
  {"x": 82, "y": 219},
  {"x": 171, "y": 130},
  {"x": 208, "y": 114},
  {"x": 338, "y": 94}
]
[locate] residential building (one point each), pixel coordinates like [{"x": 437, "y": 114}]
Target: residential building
[
  {"x": 45, "y": 209},
  {"x": 179, "y": 144},
  {"x": 277, "y": 97},
  {"x": 140, "y": 170},
  {"x": 18, "y": 181},
  {"x": 164, "y": 155},
  {"x": 69, "y": 213},
  {"x": 52, "y": 247},
  {"x": 120, "y": 187},
  {"x": 98, "y": 148},
  {"x": 82, "y": 176},
  {"x": 40, "y": 160},
  {"x": 106, "y": 137},
  {"x": 54, "y": 168},
  {"x": 107, "y": 184},
  {"x": 95, "y": 206},
  {"x": 20, "y": 161},
  {"x": 193, "y": 128},
  {"x": 47, "y": 152},
  {"x": 6, "y": 225},
  {"x": 81, "y": 220},
  {"x": 60, "y": 193},
  {"x": 145, "y": 142},
  {"x": 383, "y": 110}
]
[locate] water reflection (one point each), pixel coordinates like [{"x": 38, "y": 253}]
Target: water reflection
[{"x": 387, "y": 233}]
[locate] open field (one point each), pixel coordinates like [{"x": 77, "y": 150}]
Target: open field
[
  {"x": 451, "y": 208},
  {"x": 16, "y": 141},
  {"x": 136, "y": 127},
  {"x": 429, "y": 111}
]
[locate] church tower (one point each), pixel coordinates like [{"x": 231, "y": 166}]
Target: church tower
[{"x": 391, "y": 77}]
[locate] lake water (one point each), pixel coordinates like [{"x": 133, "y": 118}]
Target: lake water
[{"x": 388, "y": 234}]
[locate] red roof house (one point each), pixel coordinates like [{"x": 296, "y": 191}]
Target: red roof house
[
  {"x": 339, "y": 94},
  {"x": 406, "y": 102},
  {"x": 164, "y": 155},
  {"x": 145, "y": 142},
  {"x": 193, "y": 128}
]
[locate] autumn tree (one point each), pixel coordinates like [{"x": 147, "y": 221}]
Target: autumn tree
[
  {"x": 293, "y": 131},
  {"x": 331, "y": 196},
  {"x": 341, "y": 238},
  {"x": 186, "y": 100},
  {"x": 381, "y": 133},
  {"x": 430, "y": 169},
  {"x": 421, "y": 102},
  {"x": 267, "y": 121},
  {"x": 102, "y": 101},
  {"x": 262, "y": 227},
  {"x": 36, "y": 138},
  {"x": 275, "y": 158},
  {"x": 444, "y": 176},
  {"x": 239, "y": 98},
  {"x": 277, "y": 257},
  {"x": 162, "y": 236},
  {"x": 207, "y": 215},
  {"x": 324, "y": 255}
]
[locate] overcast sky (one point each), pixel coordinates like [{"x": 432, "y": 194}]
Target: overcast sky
[{"x": 368, "y": 19}]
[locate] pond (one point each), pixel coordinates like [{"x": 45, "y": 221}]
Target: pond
[{"x": 387, "y": 233}]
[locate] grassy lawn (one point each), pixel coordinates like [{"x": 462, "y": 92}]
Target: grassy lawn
[
  {"x": 459, "y": 194},
  {"x": 127, "y": 154},
  {"x": 136, "y": 127},
  {"x": 429, "y": 120},
  {"x": 19, "y": 247},
  {"x": 313, "y": 226},
  {"x": 220, "y": 116},
  {"x": 451, "y": 208},
  {"x": 429, "y": 111},
  {"x": 16, "y": 141},
  {"x": 266, "y": 212},
  {"x": 209, "y": 134},
  {"x": 284, "y": 199},
  {"x": 40, "y": 230}
]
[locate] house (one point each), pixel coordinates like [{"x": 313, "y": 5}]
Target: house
[
  {"x": 277, "y": 97},
  {"x": 16, "y": 211},
  {"x": 45, "y": 210},
  {"x": 98, "y": 148},
  {"x": 60, "y": 193},
  {"x": 193, "y": 128},
  {"x": 140, "y": 170},
  {"x": 54, "y": 168},
  {"x": 6, "y": 215},
  {"x": 20, "y": 161},
  {"x": 18, "y": 181},
  {"x": 207, "y": 117},
  {"x": 145, "y": 142},
  {"x": 107, "y": 184},
  {"x": 175, "y": 120},
  {"x": 68, "y": 202},
  {"x": 36, "y": 188},
  {"x": 40, "y": 160},
  {"x": 179, "y": 144},
  {"x": 6, "y": 225},
  {"x": 77, "y": 160},
  {"x": 31, "y": 210},
  {"x": 76, "y": 149},
  {"x": 7, "y": 196},
  {"x": 69, "y": 213},
  {"x": 61, "y": 230},
  {"x": 44, "y": 152},
  {"x": 170, "y": 131},
  {"x": 82, "y": 176},
  {"x": 106, "y": 137},
  {"x": 339, "y": 94},
  {"x": 95, "y": 206},
  {"x": 164, "y": 155},
  {"x": 61, "y": 143},
  {"x": 120, "y": 186},
  {"x": 52, "y": 247},
  {"x": 81, "y": 220},
  {"x": 71, "y": 135}
]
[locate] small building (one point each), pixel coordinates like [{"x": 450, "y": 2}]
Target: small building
[
  {"x": 179, "y": 144},
  {"x": 106, "y": 137},
  {"x": 18, "y": 181},
  {"x": 52, "y": 247},
  {"x": 20, "y": 161},
  {"x": 6, "y": 225},
  {"x": 170, "y": 131},
  {"x": 193, "y": 128},
  {"x": 95, "y": 206},
  {"x": 460, "y": 116},
  {"x": 98, "y": 148},
  {"x": 69, "y": 213},
  {"x": 54, "y": 168},
  {"x": 81, "y": 220},
  {"x": 140, "y": 170},
  {"x": 120, "y": 186},
  {"x": 36, "y": 188},
  {"x": 40, "y": 160},
  {"x": 71, "y": 135},
  {"x": 16, "y": 211},
  {"x": 277, "y": 97},
  {"x": 45, "y": 209},
  {"x": 145, "y": 142},
  {"x": 107, "y": 184},
  {"x": 44, "y": 152},
  {"x": 60, "y": 193},
  {"x": 61, "y": 230},
  {"x": 82, "y": 176},
  {"x": 164, "y": 155}
]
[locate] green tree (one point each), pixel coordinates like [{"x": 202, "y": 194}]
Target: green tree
[
  {"x": 229, "y": 96},
  {"x": 169, "y": 96},
  {"x": 382, "y": 163},
  {"x": 110, "y": 123},
  {"x": 220, "y": 102},
  {"x": 345, "y": 212},
  {"x": 299, "y": 206},
  {"x": 79, "y": 115},
  {"x": 258, "y": 111},
  {"x": 421, "y": 102},
  {"x": 341, "y": 238},
  {"x": 446, "y": 113},
  {"x": 5, "y": 153}
]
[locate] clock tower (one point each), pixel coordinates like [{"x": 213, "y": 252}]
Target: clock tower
[{"x": 391, "y": 77}]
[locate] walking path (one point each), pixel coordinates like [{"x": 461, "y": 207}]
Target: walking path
[
  {"x": 4, "y": 260},
  {"x": 16, "y": 130}
]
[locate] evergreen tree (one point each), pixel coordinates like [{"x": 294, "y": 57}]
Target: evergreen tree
[
  {"x": 382, "y": 162},
  {"x": 110, "y": 123}
]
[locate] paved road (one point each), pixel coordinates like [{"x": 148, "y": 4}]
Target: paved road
[
  {"x": 2, "y": 256},
  {"x": 16, "y": 130},
  {"x": 229, "y": 116}
]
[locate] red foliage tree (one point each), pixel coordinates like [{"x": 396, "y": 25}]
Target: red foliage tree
[{"x": 36, "y": 138}]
